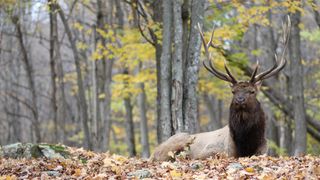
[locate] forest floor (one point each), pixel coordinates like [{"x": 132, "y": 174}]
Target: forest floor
[{"x": 83, "y": 164}]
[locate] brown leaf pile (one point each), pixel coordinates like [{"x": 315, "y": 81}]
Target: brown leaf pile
[{"x": 88, "y": 165}]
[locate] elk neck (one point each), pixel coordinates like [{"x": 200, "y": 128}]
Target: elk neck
[{"x": 247, "y": 126}]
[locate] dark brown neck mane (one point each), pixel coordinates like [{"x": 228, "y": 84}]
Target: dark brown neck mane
[{"x": 247, "y": 127}]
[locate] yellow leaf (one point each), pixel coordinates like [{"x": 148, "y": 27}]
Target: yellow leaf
[
  {"x": 116, "y": 169},
  {"x": 175, "y": 174},
  {"x": 82, "y": 46},
  {"x": 13, "y": 177},
  {"x": 77, "y": 172},
  {"x": 96, "y": 56},
  {"x": 120, "y": 159},
  {"x": 78, "y": 26},
  {"x": 88, "y": 32},
  {"x": 249, "y": 169},
  {"x": 102, "y": 96}
]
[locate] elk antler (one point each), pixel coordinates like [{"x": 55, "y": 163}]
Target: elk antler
[
  {"x": 278, "y": 66},
  {"x": 226, "y": 77}
]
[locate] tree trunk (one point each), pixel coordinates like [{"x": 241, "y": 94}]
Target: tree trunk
[
  {"x": 157, "y": 18},
  {"x": 177, "y": 69},
  {"x": 82, "y": 97},
  {"x": 129, "y": 125},
  {"x": 190, "y": 103},
  {"x": 285, "y": 136},
  {"x": 30, "y": 76},
  {"x": 96, "y": 118},
  {"x": 143, "y": 122},
  {"x": 142, "y": 100},
  {"x": 53, "y": 24},
  {"x": 130, "y": 128},
  {"x": 296, "y": 79},
  {"x": 272, "y": 129},
  {"x": 58, "y": 68},
  {"x": 165, "y": 124},
  {"x": 185, "y": 26},
  {"x": 213, "y": 107}
]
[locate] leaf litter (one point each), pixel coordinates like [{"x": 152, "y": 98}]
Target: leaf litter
[{"x": 82, "y": 164}]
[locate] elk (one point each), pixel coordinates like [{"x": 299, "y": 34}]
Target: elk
[{"x": 245, "y": 133}]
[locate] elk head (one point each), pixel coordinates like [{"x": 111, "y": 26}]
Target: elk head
[{"x": 244, "y": 92}]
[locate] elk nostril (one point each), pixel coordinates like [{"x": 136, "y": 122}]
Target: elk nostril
[{"x": 240, "y": 99}]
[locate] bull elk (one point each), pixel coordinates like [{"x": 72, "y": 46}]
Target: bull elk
[{"x": 245, "y": 133}]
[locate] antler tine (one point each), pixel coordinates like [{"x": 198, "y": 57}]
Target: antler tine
[
  {"x": 211, "y": 68},
  {"x": 214, "y": 72},
  {"x": 254, "y": 72},
  {"x": 229, "y": 73},
  {"x": 211, "y": 39},
  {"x": 279, "y": 65}
]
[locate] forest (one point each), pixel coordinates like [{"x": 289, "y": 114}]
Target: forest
[{"x": 125, "y": 75}]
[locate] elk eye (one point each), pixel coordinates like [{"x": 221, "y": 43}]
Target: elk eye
[
  {"x": 252, "y": 92},
  {"x": 233, "y": 91}
]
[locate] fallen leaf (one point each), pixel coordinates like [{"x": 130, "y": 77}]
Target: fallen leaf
[
  {"x": 175, "y": 174},
  {"x": 77, "y": 172},
  {"x": 250, "y": 169}
]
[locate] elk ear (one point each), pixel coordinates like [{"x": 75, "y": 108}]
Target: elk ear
[{"x": 258, "y": 84}]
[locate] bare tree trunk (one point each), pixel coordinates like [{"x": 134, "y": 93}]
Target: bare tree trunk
[
  {"x": 190, "y": 97},
  {"x": 53, "y": 24},
  {"x": 96, "y": 119},
  {"x": 62, "y": 101},
  {"x": 157, "y": 18},
  {"x": 213, "y": 108},
  {"x": 57, "y": 68},
  {"x": 272, "y": 129},
  {"x": 30, "y": 76},
  {"x": 104, "y": 76},
  {"x": 177, "y": 69},
  {"x": 143, "y": 122},
  {"x": 82, "y": 98},
  {"x": 165, "y": 71},
  {"x": 129, "y": 128},
  {"x": 285, "y": 135},
  {"x": 296, "y": 79},
  {"x": 142, "y": 100},
  {"x": 185, "y": 26},
  {"x": 129, "y": 125}
]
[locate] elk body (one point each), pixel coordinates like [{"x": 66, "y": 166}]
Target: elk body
[{"x": 245, "y": 133}]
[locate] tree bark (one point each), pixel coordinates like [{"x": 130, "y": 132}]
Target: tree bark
[
  {"x": 30, "y": 76},
  {"x": 177, "y": 69},
  {"x": 129, "y": 124},
  {"x": 190, "y": 103},
  {"x": 61, "y": 103},
  {"x": 213, "y": 108},
  {"x": 165, "y": 129},
  {"x": 296, "y": 79},
  {"x": 82, "y": 98},
  {"x": 272, "y": 129},
  {"x": 144, "y": 122},
  {"x": 157, "y": 18},
  {"x": 53, "y": 24},
  {"x": 142, "y": 100},
  {"x": 96, "y": 118},
  {"x": 130, "y": 128}
]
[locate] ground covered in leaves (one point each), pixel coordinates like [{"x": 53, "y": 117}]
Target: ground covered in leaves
[{"x": 83, "y": 164}]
